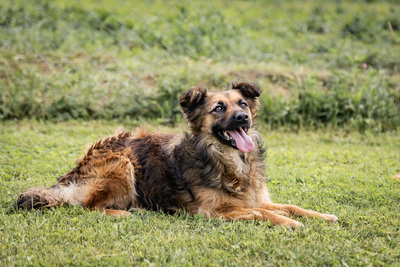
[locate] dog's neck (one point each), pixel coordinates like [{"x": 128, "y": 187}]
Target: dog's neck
[{"x": 232, "y": 166}]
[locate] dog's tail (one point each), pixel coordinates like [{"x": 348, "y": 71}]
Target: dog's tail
[{"x": 43, "y": 197}]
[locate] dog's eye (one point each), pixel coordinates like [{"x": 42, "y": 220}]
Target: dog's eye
[
  {"x": 218, "y": 108},
  {"x": 243, "y": 105}
]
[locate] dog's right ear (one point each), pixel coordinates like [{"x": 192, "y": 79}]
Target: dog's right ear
[
  {"x": 192, "y": 99},
  {"x": 191, "y": 103}
]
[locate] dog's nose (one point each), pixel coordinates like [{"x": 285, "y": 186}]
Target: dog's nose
[{"x": 241, "y": 117}]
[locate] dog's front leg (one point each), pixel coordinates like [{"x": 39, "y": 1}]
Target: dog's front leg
[
  {"x": 297, "y": 211},
  {"x": 259, "y": 214}
]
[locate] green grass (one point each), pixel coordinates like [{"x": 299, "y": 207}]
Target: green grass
[
  {"x": 340, "y": 172},
  {"x": 330, "y": 63},
  {"x": 329, "y": 70}
]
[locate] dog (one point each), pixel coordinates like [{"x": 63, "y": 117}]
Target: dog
[{"x": 217, "y": 170}]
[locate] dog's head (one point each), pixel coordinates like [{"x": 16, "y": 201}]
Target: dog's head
[{"x": 228, "y": 116}]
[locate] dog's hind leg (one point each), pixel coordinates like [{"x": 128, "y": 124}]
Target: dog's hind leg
[
  {"x": 111, "y": 183},
  {"x": 104, "y": 193},
  {"x": 43, "y": 197},
  {"x": 108, "y": 181},
  {"x": 297, "y": 211},
  {"x": 38, "y": 197},
  {"x": 104, "y": 177}
]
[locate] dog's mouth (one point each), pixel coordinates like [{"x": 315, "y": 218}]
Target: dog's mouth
[{"x": 236, "y": 138}]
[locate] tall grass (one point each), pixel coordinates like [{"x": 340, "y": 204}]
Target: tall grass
[
  {"x": 343, "y": 102},
  {"x": 89, "y": 60}
]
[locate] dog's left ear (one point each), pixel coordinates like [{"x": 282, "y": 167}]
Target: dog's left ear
[
  {"x": 248, "y": 90},
  {"x": 251, "y": 92}
]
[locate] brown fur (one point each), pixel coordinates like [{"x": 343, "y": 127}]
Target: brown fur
[{"x": 197, "y": 172}]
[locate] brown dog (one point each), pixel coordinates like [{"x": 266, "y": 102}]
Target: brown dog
[{"x": 216, "y": 170}]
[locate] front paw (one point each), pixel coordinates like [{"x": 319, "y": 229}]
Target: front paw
[
  {"x": 291, "y": 224},
  {"x": 330, "y": 217}
]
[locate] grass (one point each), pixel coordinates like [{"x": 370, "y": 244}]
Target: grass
[
  {"x": 334, "y": 64},
  {"x": 72, "y": 71},
  {"x": 340, "y": 172}
]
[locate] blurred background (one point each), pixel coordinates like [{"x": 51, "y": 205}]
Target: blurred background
[{"x": 320, "y": 63}]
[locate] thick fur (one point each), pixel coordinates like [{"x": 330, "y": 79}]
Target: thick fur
[{"x": 196, "y": 172}]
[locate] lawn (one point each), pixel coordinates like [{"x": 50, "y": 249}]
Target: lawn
[
  {"x": 333, "y": 171},
  {"x": 73, "y": 71},
  {"x": 330, "y": 63}
]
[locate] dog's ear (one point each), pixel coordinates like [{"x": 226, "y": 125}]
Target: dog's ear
[
  {"x": 192, "y": 99},
  {"x": 251, "y": 92},
  {"x": 191, "y": 103},
  {"x": 248, "y": 90}
]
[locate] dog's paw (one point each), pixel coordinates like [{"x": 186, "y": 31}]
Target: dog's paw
[
  {"x": 291, "y": 224},
  {"x": 330, "y": 217},
  {"x": 124, "y": 213},
  {"x": 117, "y": 212}
]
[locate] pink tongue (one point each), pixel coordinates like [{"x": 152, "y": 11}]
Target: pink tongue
[{"x": 243, "y": 141}]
